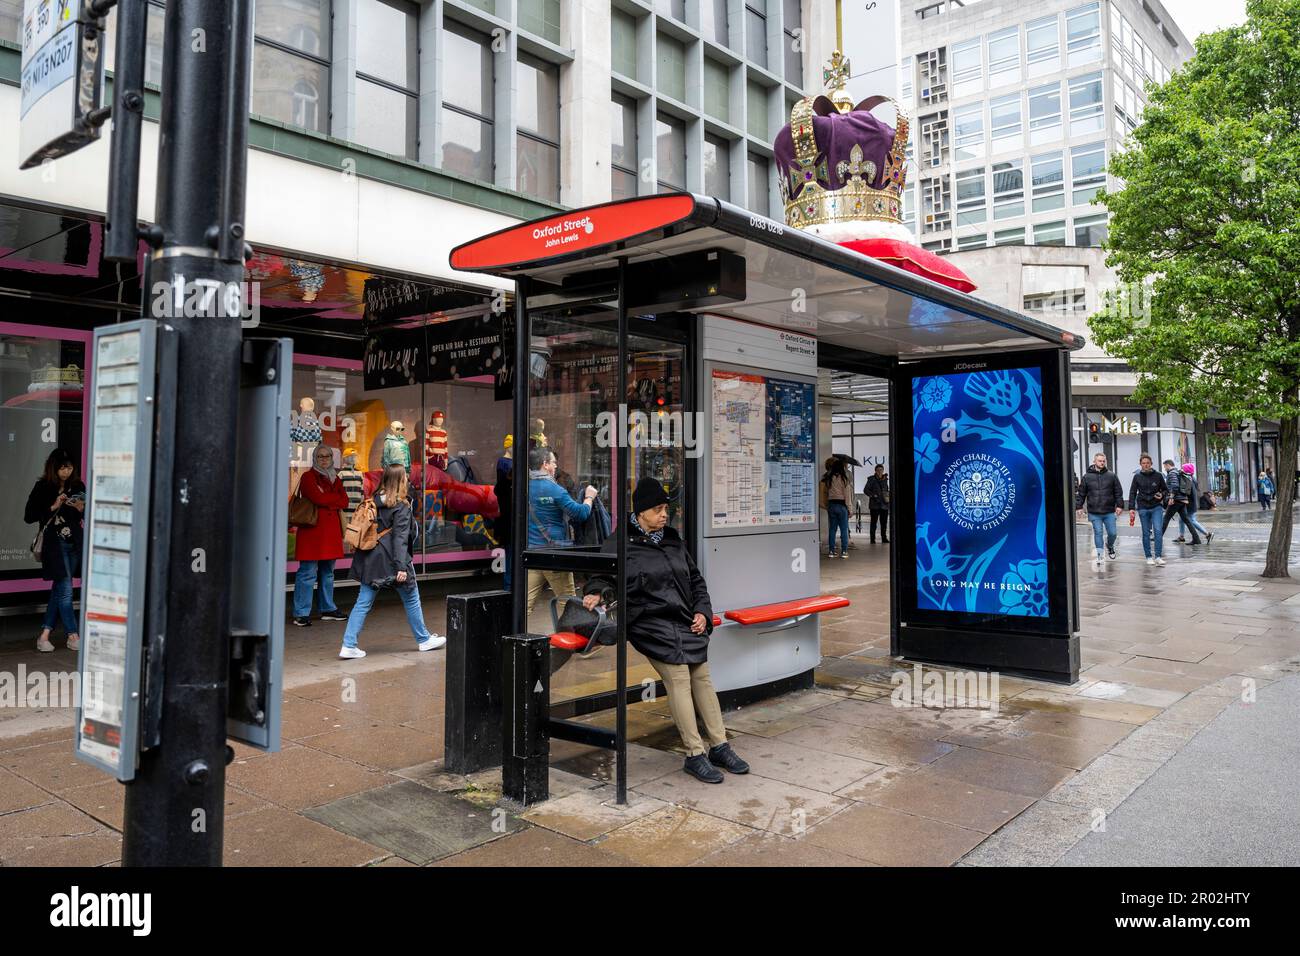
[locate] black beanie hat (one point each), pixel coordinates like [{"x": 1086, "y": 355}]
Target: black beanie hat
[{"x": 649, "y": 493}]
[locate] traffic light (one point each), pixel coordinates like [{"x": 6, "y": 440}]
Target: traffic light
[{"x": 1094, "y": 432}]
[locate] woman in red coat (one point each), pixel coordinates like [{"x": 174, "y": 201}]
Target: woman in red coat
[{"x": 319, "y": 546}]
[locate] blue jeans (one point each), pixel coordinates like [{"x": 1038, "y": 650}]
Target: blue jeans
[
  {"x": 60, "y": 603},
  {"x": 304, "y": 584},
  {"x": 410, "y": 595},
  {"x": 1152, "y": 527},
  {"x": 838, "y": 513},
  {"x": 1106, "y": 521},
  {"x": 1196, "y": 525}
]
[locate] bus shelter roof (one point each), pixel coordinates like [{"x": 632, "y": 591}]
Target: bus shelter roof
[{"x": 793, "y": 280}]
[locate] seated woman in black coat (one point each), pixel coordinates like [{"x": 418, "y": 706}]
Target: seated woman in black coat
[{"x": 669, "y": 620}]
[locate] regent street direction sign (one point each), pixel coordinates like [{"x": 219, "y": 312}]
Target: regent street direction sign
[{"x": 62, "y": 79}]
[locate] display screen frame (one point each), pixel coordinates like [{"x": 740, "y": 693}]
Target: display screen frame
[{"x": 1057, "y": 494}]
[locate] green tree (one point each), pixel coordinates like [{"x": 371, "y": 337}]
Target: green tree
[{"x": 1206, "y": 228}]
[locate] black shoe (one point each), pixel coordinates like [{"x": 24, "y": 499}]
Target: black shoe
[
  {"x": 698, "y": 766},
  {"x": 1195, "y": 542},
  {"x": 884, "y": 541},
  {"x": 1180, "y": 540},
  {"x": 333, "y": 616},
  {"x": 302, "y": 621},
  {"x": 723, "y": 756},
  {"x": 1209, "y": 535}
]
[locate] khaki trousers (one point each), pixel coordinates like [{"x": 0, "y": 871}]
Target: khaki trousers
[
  {"x": 690, "y": 689},
  {"x": 561, "y": 583}
]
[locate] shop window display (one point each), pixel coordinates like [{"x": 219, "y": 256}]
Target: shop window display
[
  {"x": 451, "y": 470},
  {"x": 42, "y": 393}
]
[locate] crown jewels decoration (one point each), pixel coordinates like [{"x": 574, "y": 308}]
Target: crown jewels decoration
[
  {"x": 977, "y": 491},
  {"x": 819, "y": 184}
]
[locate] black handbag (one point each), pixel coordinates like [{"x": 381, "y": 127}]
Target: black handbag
[{"x": 597, "y": 626}]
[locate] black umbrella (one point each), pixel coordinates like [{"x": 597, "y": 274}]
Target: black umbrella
[{"x": 847, "y": 459}]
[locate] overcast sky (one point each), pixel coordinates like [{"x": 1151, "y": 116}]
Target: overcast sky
[{"x": 1195, "y": 17}]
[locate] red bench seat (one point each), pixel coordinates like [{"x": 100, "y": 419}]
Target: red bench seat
[{"x": 765, "y": 613}]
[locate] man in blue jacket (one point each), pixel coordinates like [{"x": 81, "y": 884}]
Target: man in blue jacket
[{"x": 549, "y": 508}]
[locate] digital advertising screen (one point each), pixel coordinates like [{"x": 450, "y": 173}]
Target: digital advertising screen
[{"x": 980, "y": 497}]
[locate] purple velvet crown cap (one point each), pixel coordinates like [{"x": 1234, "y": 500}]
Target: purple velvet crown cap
[{"x": 836, "y": 134}]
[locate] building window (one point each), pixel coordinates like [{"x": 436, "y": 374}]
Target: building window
[
  {"x": 717, "y": 89},
  {"x": 1090, "y": 230},
  {"x": 717, "y": 167},
  {"x": 623, "y": 158},
  {"x": 670, "y": 139},
  {"x": 793, "y": 57},
  {"x": 1088, "y": 166},
  {"x": 1048, "y": 181},
  {"x": 972, "y": 208},
  {"x": 1004, "y": 57},
  {"x": 537, "y": 139},
  {"x": 934, "y": 140},
  {"x": 968, "y": 131},
  {"x": 623, "y": 43},
  {"x": 1049, "y": 234},
  {"x": 1083, "y": 34},
  {"x": 756, "y": 110},
  {"x": 933, "y": 10},
  {"x": 541, "y": 17},
  {"x": 387, "y": 91},
  {"x": 1009, "y": 237},
  {"x": 977, "y": 241},
  {"x": 671, "y": 8},
  {"x": 713, "y": 21},
  {"x": 1045, "y": 114},
  {"x": 756, "y": 31},
  {"x": 1043, "y": 45},
  {"x": 1008, "y": 189},
  {"x": 1054, "y": 290},
  {"x": 760, "y": 187},
  {"x": 906, "y": 91},
  {"x": 671, "y": 78},
  {"x": 1087, "y": 115},
  {"x": 467, "y": 107},
  {"x": 933, "y": 71},
  {"x": 936, "y": 197},
  {"x": 909, "y": 209},
  {"x": 1005, "y": 127},
  {"x": 291, "y": 62},
  {"x": 968, "y": 67}
]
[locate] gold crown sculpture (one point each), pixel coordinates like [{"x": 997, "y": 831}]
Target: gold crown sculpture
[{"x": 816, "y": 194}]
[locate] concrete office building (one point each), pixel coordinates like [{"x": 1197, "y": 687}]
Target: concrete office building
[{"x": 1017, "y": 108}]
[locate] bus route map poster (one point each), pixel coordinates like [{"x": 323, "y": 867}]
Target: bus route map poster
[{"x": 981, "y": 510}]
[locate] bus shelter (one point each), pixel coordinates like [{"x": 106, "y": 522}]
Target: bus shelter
[{"x": 679, "y": 336}]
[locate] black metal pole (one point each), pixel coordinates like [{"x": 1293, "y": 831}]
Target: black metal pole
[
  {"x": 174, "y": 806},
  {"x": 121, "y": 231},
  {"x": 621, "y": 514},
  {"x": 519, "y": 469}
]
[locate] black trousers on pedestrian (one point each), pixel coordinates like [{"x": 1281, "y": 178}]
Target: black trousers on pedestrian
[
  {"x": 1180, "y": 508},
  {"x": 883, "y": 517}
]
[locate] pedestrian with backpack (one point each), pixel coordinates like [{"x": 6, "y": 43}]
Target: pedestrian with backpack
[
  {"x": 384, "y": 532},
  {"x": 1194, "y": 503},
  {"x": 1264, "y": 485},
  {"x": 1102, "y": 493},
  {"x": 1179, "y": 486}
]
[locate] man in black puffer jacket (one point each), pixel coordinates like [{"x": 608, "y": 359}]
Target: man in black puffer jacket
[
  {"x": 1146, "y": 500},
  {"x": 1103, "y": 494}
]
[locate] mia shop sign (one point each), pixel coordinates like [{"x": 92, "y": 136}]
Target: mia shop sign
[{"x": 1120, "y": 426}]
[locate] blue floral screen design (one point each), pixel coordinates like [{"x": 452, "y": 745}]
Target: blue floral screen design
[{"x": 981, "y": 510}]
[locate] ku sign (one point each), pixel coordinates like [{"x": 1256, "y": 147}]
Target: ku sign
[
  {"x": 62, "y": 75},
  {"x": 1120, "y": 426}
]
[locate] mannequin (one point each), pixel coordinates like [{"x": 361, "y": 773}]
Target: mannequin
[
  {"x": 353, "y": 484},
  {"x": 395, "y": 447},
  {"x": 304, "y": 430},
  {"x": 537, "y": 434},
  {"x": 435, "y": 441}
]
